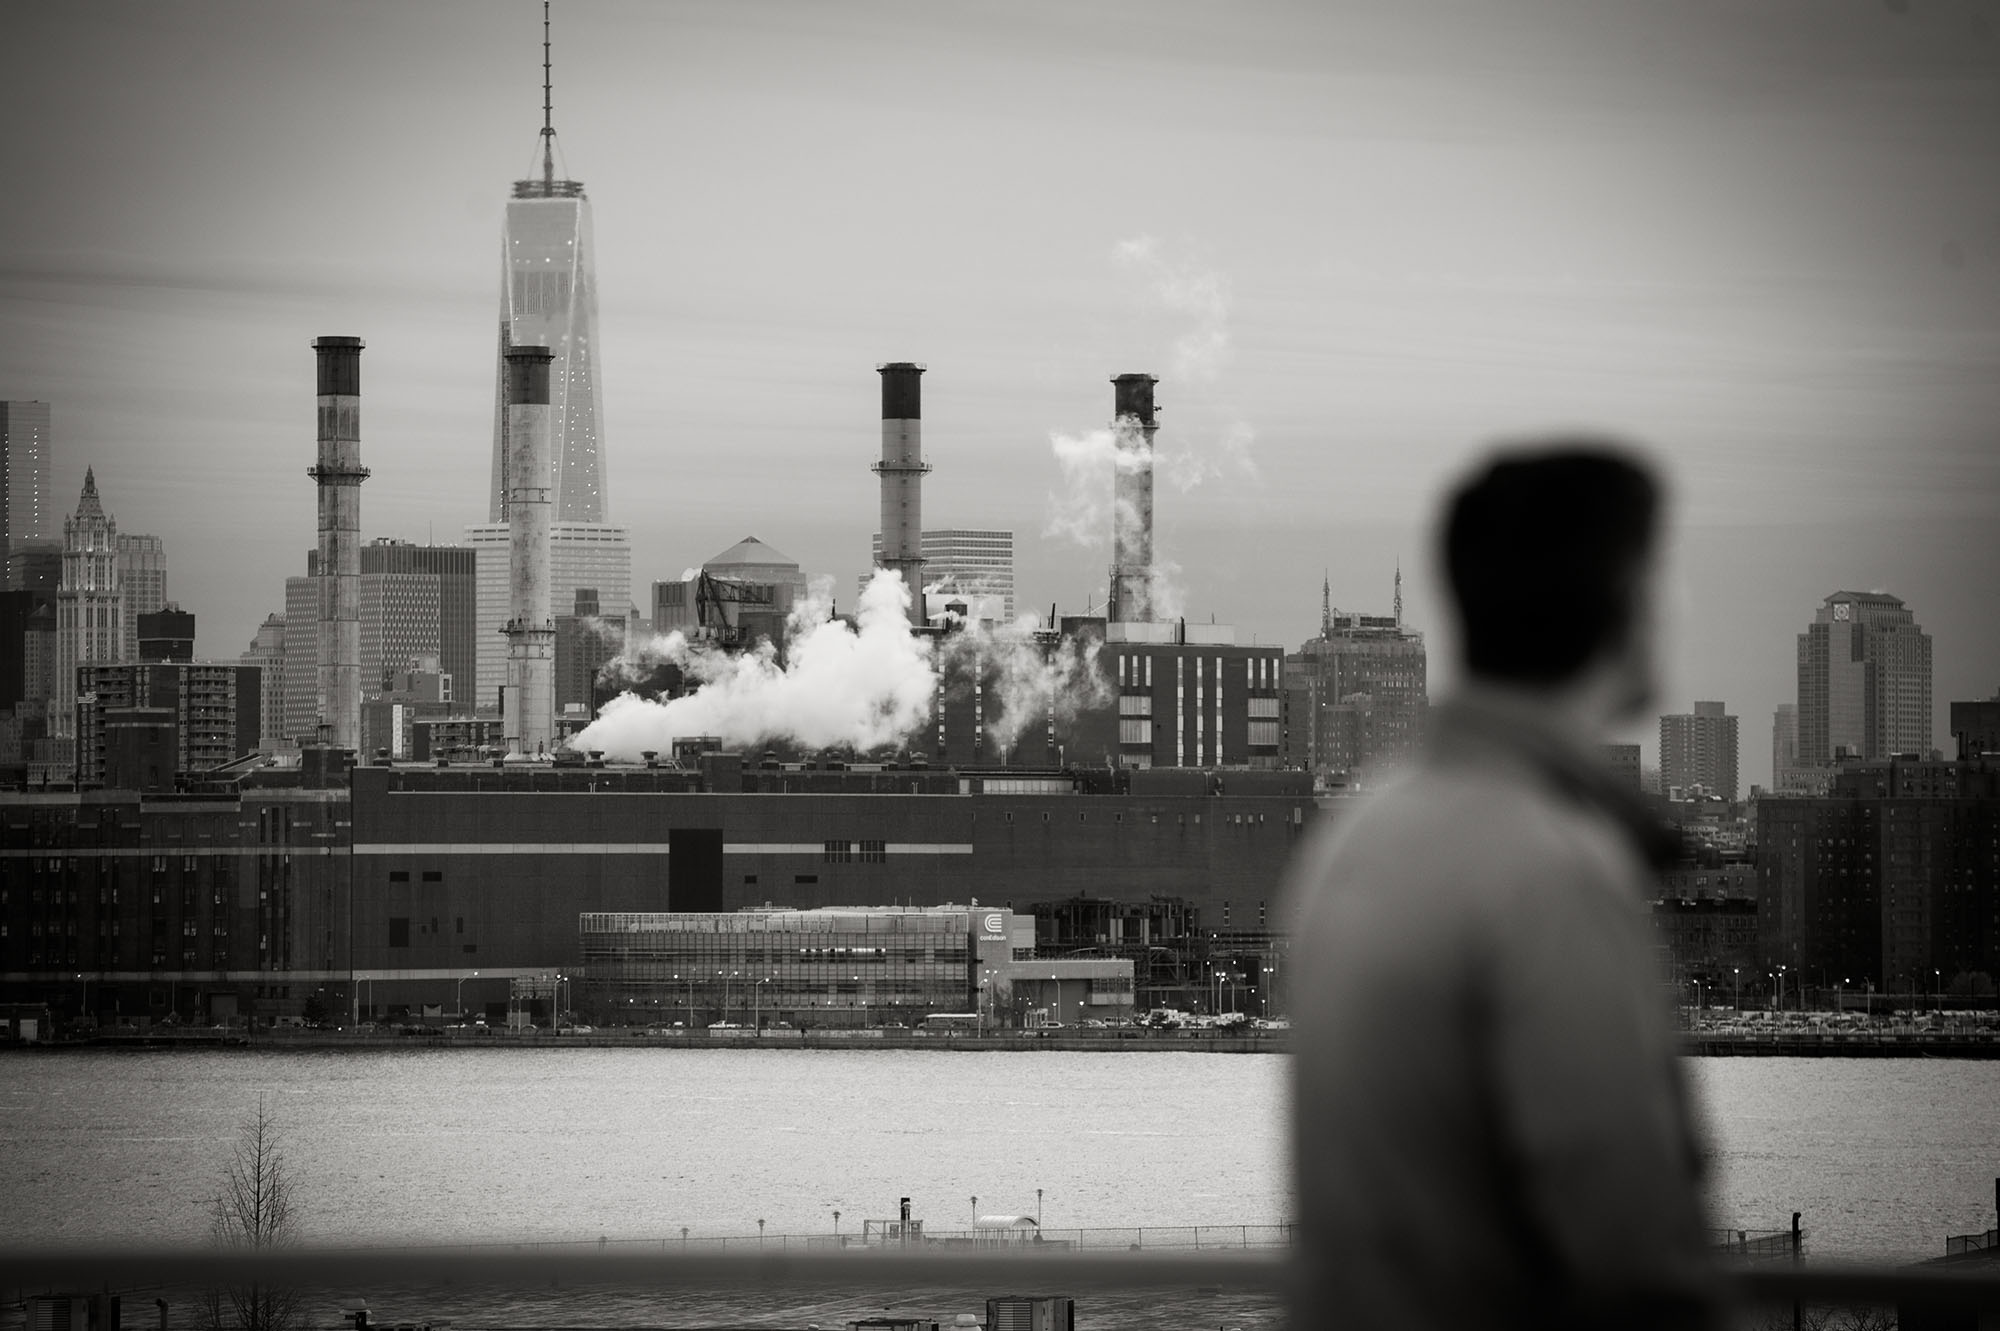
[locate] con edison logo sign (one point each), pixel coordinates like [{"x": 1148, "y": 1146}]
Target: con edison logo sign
[{"x": 995, "y": 924}]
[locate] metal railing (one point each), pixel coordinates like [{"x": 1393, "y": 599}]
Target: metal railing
[
  {"x": 1960, "y": 1244},
  {"x": 1972, "y": 1287}
]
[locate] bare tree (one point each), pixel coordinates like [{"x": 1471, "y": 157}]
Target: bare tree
[{"x": 253, "y": 1212}]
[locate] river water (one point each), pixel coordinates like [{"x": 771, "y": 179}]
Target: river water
[{"x": 1883, "y": 1157}]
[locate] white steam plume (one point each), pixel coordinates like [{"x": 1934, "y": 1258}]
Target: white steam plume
[
  {"x": 865, "y": 687},
  {"x": 1027, "y": 684}
]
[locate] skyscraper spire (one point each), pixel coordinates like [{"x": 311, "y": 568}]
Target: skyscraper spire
[
  {"x": 1399, "y": 593},
  {"x": 1326, "y": 604},
  {"x": 548, "y": 108}
]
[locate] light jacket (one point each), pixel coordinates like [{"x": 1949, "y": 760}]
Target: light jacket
[{"x": 1491, "y": 1127}]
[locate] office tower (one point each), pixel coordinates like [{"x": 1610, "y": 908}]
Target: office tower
[
  {"x": 581, "y": 555},
  {"x": 25, "y": 447},
  {"x": 585, "y": 643},
  {"x": 1623, "y": 760},
  {"x": 267, "y": 653},
  {"x": 1864, "y": 680},
  {"x": 1789, "y": 776},
  {"x": 400, "y": 617},
  {"x": 90, "y": 605},
  {"x": 1975, "y": 725},
  {"x": 36, "y": 566},
  {"x": 299, "y": 718},
  {"x": 166, "y": 634},
  {"x": 548, "y": 298},
  {"x": 1357, "y": 695},
  {"x": 142, "y": 573},
  {"x": 17, "y": 615},
  {"x": 974, "y": 564},
  {"x": 418, "y": 601},
  {"x": 1698, "y": 748}
]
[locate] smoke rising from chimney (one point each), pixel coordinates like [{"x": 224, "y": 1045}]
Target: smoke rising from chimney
[
  {"x": 868, "y": 686},
  {"x": 864, "y": 687}
]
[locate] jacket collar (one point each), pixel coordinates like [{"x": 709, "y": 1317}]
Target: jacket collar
[{"x": 1483, "y": 720}]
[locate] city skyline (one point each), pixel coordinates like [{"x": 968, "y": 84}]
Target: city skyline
[{"x": 1799, "y": 315}]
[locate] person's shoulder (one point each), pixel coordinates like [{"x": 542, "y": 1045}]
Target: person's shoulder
[{"x": 1489, "y": 830}]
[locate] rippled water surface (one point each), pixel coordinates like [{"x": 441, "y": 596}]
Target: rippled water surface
[{"x": 1884, "y": 1157}]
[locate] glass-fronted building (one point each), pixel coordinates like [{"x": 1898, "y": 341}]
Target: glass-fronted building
[
  {"x": 848, "y": 966},
  {"x": 548, "y": 297}
]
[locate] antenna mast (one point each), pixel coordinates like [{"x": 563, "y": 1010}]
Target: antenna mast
[
  {"x": 548, "y": 108},
  {"x": 1399, "y": 593}
]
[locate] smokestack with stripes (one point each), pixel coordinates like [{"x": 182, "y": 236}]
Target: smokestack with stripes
[
  {"x": 529, "y": 720},
  {"x": 338, "y": 474},
  {"x": 902, "y": 471},
  {"x": 1131, "y": 600}
]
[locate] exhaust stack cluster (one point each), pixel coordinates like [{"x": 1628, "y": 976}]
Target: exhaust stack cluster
[
  {"x": 529, "y": 720},
  {"x": 902, "y": 471},
  {"x": 1131, "y": 600},
  {"x": 338, "y": 474}
]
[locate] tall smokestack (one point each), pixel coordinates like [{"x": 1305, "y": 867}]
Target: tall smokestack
[
  {"x": 902, "y": 471},
  {"x": 529, "y": 722},
  {"x": 1132, "y": 501},
  {"x": 338, "y": 473}
]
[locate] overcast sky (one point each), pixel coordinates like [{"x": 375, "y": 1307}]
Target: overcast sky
[{"x": 1356, "y": 242}]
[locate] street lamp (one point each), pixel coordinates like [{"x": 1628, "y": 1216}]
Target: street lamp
[
  {"x": 1738, "y": 971},
  {"x": 458, "y": 995},
  {"x": 756, "y": 1001}
]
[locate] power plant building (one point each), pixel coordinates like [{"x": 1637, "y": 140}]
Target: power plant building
[{"x": 389, "y": 885}]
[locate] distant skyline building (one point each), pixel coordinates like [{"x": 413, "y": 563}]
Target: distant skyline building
[
  {"x": 202, "y": 714},
  {"x": 1623, "y": 759},
  {"x": 427, "y": 604},
  {"x": 267, "y": 653},
  {"x": 142, "y": 572},
  {"x": 166, "y": 634},
  {"x": 1864, "y": 678},
  {"x": 1699, "y": 748},
  {"x": 581, "y": 555},
  {"x": 969, "y": 562},
  {"x": 299, "y": 707},
  {"x": 26, "y": 446},
  {"x": 1788, "y": 775},
  {"x": 1975, "y": 726},
  {"x": 90, "y": 606},
  {"x": 548, "y": 298},
  {"x": 1356, "y": 697}
]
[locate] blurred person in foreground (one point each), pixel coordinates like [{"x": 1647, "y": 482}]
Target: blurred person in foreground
[{"x": 1490, "y": 1124}]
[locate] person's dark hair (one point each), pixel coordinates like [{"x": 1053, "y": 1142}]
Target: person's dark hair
[{"x": 1545, "y": 546}]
